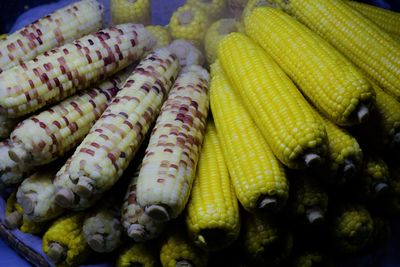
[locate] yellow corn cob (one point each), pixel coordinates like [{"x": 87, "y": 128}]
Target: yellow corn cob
[
  {"x": 344, "y": 154},
  {"x": 355, "y": 36},
  {"x": 187, "y": 53},
  {"x": 3, "y": 36},
  {"x": 189, "y": 23},
  {"x": 48, "y": 135},
  {"x": 386, "y": 19},
  {"x": 213, "y": 8},
  {"x": 216, "y": 32},
  {"x": 135, "y": 11},
  {"x": 11, "y": 172},
  {"x": 138, "y": 225},
  {"x": 177, "y": 250},
  {"x": 236, "y": 7},
  {"x": 102, "y": 228},
  {"x": 250, "y": 6},
  {"x": 352, "y": 227},
  {"x": 137, "y": 255},
  {"x": 15, "y": 218},
  {"x": 161, "y": 33},
  {"x": 212, "y": 191},
  {"x": 53, "y": 30},
  {"x": 106, "y": 151},
  {"x": 6, "y": 126},
  {"x": 169, "y": 165},
  {"x": 374, "y": 178},
  {"x": 340, "y": 92},
  {"x": 62, "y": 71},
  {"x": 257, "y": 176},
  {"x": 264, "y": 242},
  {"x": 295, "y": 135},
  {"x": 64, "y": 243},
  {"x": 36, "y": 195}
]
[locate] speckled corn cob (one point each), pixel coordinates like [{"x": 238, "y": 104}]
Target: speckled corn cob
[
  {"x": 212, "y": 213},
  {"x": 60, "y": 72},
  {"x": 64, "y": 243},
  {"x": 11, "y": 172},
  {"x": 48, "y": 135},
  {"x": 236, "y": 7},
  {"x": 178, "y": 251},
  {"x": 213, "y": 8},
  {"x": 137, "y": 224},
  {"x": 340, "y": 92},
  {"x": 106, "y": 151},
  {"x": 257, "y": 176},
  {"x": 308, "y": 199},
  {"x": 189, "y": 23},
  {"x": 264, "y": 242},
  {"x": 216, "y": 32},
  {"x": 102, "y": 227},
  {"x": 6, "y": 126},
  {"x": 53, "y": 30},
  {"x": 15, "y": 218},
  {"x": 384, "y": 18},
  {"x": 161, "y": 33},
  {"x": 169, "y": 166},
  {"x": 36, "y": 195},
  {"x": 295, "y": 135},
  {"x": 355, "y": 36},
  {"x": 137, "y": 255},
  {"x": 135, "y": 11},
  {"x": 352, "y": 227}
]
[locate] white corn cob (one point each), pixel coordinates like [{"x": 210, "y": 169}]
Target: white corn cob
[
  {"x": 169, "y": 165},
  {"x": 104, "y": 154},
  {"x": 36, "y": 195},
  {"x": 53, "y": 30},
  {"x": 10, "y": 171},
  {"x": 138, "y": 225},
  {"x": 62, "y": 71},
  {"x": 48, "y": 135}
]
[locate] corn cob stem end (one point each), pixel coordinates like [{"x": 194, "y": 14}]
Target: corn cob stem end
[
  {"x": 97, "y": 242},
  {"x": 184, "y": 263},
  {"x": 312, "y": 160},
  {"x": 186, "y": 17},
  {"x": 349, "y": 169},
  {"x": 268, "y": 203},
  {"x": 137, "y": 232},
  {"x": 13, "y": 220},
  {"x": 157, "y": 213},
  {"x": 381, "y": 188},
  {"x": 28, "y": 203},
  {"x": 315, "y": 216},
  {"x": 18, "y": 154},
  {"x": 65, "y": 198},
  {"x": 56, "y": 252},
  {"x": 363, "y": 113}
]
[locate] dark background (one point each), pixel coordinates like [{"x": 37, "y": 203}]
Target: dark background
[{"x": 11, "y": 9}]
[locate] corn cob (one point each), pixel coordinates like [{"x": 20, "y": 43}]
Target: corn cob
[
  {"x": 216, "y": 32},
  {"x": 102, "y": 228},
  {"x": 161, "y": 34},
  {"x": 36, "y": 195},
  {"x": 134, "y": 11},
  {"x": 236, "y": 7},
  {"x": 137, "y": 224},
  {"x": 386, "y": 19},
  {"x": 3, "y": 37},
  {"x": 213, "y": 8},
  {"x": 178, "y": 251},
  {"x": 6, "y": 126},
  {"x": 189, "y": 23},
  {"x": 48, "y": 135},
  {"x": 15, "y": 218},
  {"x": 187, "y": 54},
  {"x": 257, "y": 176},
  {"x": 137, "y": 255},
  {"x": 106, "y": 151},
  {"x": 251, "y": 5},
  {"x": 294, "y": 134},
  {"x": 355, "y": 36},
  {"x": 264, "y": 242},
  {"x": 62, "y": 71},
  {"x": 212, "y": 191},
  {"x": 53, "y": 30},
  {"x": 10, "y": 171},
  {"x": 352, "y": 227},
  {"x": 168, "y": 170},
  {"x": 340, "y": 92},
  {"x": 308, "y": 199},
  {"x": 64, "y": 243}
]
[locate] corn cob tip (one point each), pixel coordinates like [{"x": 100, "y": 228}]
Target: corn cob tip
[
  {"x": 312, "y": 160},
  {"x": 315, "y": 216},
  {"x": 18, "y": 154},
  {"x": 187, "y": 53},
  {"x": 97, "y": 242},
  {"x": 157, "y": 213},
  {"x": 28, "y": 203},
  {"x": 381, "y": 188},
  {"x": 363, "y": 113},
  {"x": 64, "y": 198},
  {"x": 184, "y": 263},
  {"x": 84, "y": 187},
  {"x": 56, "y": 252},
  {"x": 268, "y": 203},
  {"x": 137, "y": 232},
  {"x": 13, "y": 220}
]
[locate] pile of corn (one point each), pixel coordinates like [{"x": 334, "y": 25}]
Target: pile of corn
[{"x": 282, "y": 151}]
